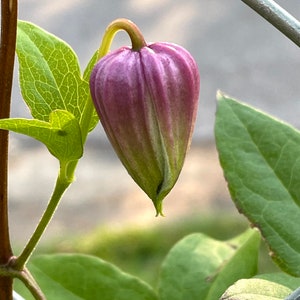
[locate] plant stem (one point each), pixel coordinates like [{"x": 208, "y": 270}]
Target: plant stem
[
  {"x": 9, "y": 10},
  {"x": 31, "y": 284},
  {"x": 278, "y": 17},
  {"x": 62, "y": 184},
  {"x": 137, "y": 39},
  {"x": 25, "y": 276}
]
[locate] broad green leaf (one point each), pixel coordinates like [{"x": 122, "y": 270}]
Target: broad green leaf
[
  {"x": 256, "y": 289},
  {"x": 260, "y": 157},
  {"x": 49, "y": 73},
  {"x": 288, "y": 281},
  {"x": 82, "y": 277},
  {"x": 241, "y": 264},
  {"x": 50, "y": 76},
  {"x": 263, "y": 287},
  {"x": 199, "y": 267},
  {"x": 61, "y": 134}
]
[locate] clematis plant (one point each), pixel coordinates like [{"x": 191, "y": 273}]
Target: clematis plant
[{"x": 146, "y": 97}]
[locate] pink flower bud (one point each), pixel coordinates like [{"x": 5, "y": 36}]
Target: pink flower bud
[{"x": 147, "y": 102}]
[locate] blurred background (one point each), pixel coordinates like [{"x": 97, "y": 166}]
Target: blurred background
[{"x": 236, "y": 50}]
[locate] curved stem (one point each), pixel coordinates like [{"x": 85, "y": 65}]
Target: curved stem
[
  {"x": 278, "y": 17},
  {"x": 135, "y": 35},
  {"x": 62, "y": 184},
  {"x": 31, "y": 284}
]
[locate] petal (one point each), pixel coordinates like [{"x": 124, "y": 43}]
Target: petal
[
  {"x": 121, "y": 102},
  {"x": 173, "y": 81}
]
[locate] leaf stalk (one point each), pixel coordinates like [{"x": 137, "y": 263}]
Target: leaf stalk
[{"x": 61, "y": 186}]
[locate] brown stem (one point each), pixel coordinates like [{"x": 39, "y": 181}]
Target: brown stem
[{"x": 7, "y": 56}]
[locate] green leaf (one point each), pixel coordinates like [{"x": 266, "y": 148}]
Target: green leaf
[
  {"x": 199, "y": 267},
  {"x": 260, "y": 157},
  {"x": 263, "y": 287},
  {"x": 89, "y": 68},
  {"x": 75, "y": 277},
  {"x": 50, "y": 76},
  {"x": 288, "y": 281},
  {"x": 90, "y": 116},
  {"x": 256, "y": 289},
  {"x": 61, "y": 134}
]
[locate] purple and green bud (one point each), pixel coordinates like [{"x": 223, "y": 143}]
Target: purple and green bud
[{"x": 147, "y": 98}]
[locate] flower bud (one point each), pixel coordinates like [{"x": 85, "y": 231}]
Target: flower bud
[{"x": 147, "y": 102}]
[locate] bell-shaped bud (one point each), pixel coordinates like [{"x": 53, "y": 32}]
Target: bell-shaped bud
[{"x": 147, "y": 101}]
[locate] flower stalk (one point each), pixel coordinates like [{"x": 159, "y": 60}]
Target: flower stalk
[{"x": 133, "y": 31}]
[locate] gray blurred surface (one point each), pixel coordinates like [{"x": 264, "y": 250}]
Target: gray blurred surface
[{"x": 236, "y": 50}]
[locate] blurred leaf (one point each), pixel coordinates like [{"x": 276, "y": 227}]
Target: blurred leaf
[
  {"x": 61, "y": 134},
  {"x": 199, "y": 267},
  {"x": 288, "y": 281},
  {"x": 75, "y": 276},
  {"x": 260, "y": 157},
  {"x": 263, "y": 287},
  {"x": 50, "y": 75},
  {"x": 256, "y": 289}
]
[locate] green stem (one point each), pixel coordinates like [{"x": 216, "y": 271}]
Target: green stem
[
  {"x": 135, "y": 35},
  {"x": 63, "y": 181},
  {"x": 278, "y": 17}
]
